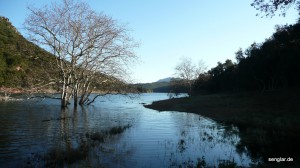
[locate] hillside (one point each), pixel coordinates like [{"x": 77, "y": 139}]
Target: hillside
[
  {"x": 22, "y": 63},
  {"x": 165, "y": 79},
  {"x": 25, "y": 66},
  {"x": 159, "y": 87}
]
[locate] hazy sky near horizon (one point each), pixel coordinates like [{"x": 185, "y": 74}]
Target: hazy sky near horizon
[{"x": 167, "y": 30}]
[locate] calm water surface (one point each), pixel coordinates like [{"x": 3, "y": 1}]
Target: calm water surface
[{"x": 30, "y": 130}]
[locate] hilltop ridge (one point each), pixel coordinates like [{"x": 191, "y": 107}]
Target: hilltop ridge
[{"x": 168, "y": 79}]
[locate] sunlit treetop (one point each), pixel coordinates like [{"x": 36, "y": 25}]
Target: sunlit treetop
[{"x": 270, "y": 7}]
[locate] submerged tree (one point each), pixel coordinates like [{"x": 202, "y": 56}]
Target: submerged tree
[{"x": 89, "y": 47}]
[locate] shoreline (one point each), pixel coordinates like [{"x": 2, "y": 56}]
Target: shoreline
[
  {"x": 268, "y": 122},
  {"x": 278, "y": 110}
]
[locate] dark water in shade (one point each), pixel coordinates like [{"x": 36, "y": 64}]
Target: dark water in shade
[{"x": 29, "y": 130}]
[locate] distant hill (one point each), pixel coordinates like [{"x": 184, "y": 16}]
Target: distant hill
[
  {"x": 160, "y": 86},
  {"x": 165, "y": 79},
  {"x": 22, "y": 63}
]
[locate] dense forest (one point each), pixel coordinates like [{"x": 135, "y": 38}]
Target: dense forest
[{"x": 271, "y": 65}]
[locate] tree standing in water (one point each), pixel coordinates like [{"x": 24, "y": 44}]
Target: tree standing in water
[{"x": 88, "y": 47}]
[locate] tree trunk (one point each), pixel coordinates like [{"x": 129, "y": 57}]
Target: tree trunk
[
  {"x": 75, "y": 95},
  {"x": 65, "y": 93},
  {"x": 64, "y": 102},
  {"x": 85, "y": 93}
]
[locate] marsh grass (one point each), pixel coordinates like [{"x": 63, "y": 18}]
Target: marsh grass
[
  {"x": 65, "y": 155},
  {"x": 101, "y": 136},
  {"x": 118, "y": 129},
  {"x": 58, "y": 157}
]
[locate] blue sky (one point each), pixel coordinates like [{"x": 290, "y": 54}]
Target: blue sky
[{"x": 211, "y": 31}]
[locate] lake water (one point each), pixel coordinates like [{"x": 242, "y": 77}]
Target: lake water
[{"x": 31, "y": 132}]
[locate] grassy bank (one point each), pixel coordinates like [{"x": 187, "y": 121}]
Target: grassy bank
[{"x": 278, "y": 110}]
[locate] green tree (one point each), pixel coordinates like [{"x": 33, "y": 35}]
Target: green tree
[
  {"x": 271, "y": 65},
  {"x": 239, "y": 55},
  {"x": 222, "y": 76}
]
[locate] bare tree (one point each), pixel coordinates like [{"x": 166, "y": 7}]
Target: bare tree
[
  {"x": 89, "y": 47},
  {"x": 187, "y": 71}
]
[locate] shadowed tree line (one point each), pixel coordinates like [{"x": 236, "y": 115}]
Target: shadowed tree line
[{"x": 271, "y": 65}]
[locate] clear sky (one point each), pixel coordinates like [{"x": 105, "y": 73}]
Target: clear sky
[{"x": 211, "y": 31}]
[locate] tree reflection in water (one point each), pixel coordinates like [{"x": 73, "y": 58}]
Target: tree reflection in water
[
  {"x": 115, "y": 133},
  {"x": 85, "y": 150}
]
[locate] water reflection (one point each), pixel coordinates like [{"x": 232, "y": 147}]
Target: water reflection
[
  {"x": 201, "y": 138},
  {"x": 262, "y": 144},
  {"x": 115, "y": 132}
]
